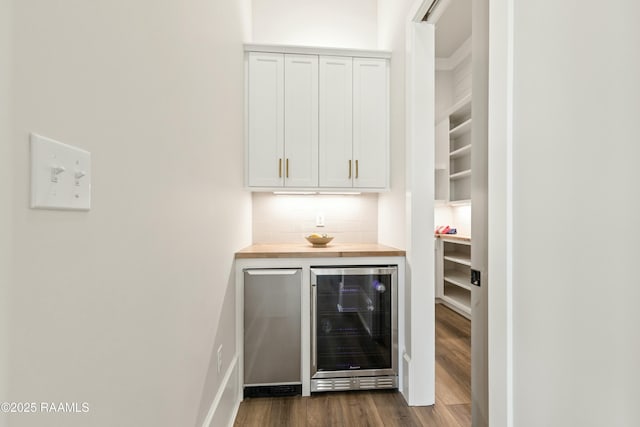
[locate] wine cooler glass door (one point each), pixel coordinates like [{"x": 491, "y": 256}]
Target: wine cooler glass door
[{"x": 354, "y": 330}]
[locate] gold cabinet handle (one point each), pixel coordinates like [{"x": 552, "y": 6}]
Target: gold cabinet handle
[
  {"x": 279, "y": 168},
  {"x": 349, "y": 169},
  {"x": 287, "y": 168},
  {"x": 356, "y": 169}
]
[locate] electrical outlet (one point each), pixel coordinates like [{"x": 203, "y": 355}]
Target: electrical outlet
[
  {"x": 219, "y": 359},
  {"x": 320, "y": 220}
]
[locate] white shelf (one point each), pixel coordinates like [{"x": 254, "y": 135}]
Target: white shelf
[
  {"x": 453, "y": 154},
  {"x": 460, "y": 152},
  {"x": 461, "y": 107},
  {"x": 458, "y": 278},
  {"x": 459, "y": 300},
  {"x": 461, "y": 202},
  {"x": 456, "y": 239},
  {"x": 459, "y": 258},
  {"x": 460, "y": 175},
  {"x": 461, "y": 129},
  {"x": 454, "y": 275}
]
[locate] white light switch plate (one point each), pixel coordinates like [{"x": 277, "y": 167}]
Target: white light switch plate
[{"x": 60, "y": 175}]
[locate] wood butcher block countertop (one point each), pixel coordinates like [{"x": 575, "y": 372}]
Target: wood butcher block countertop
[{"x": 305, "y": 250}]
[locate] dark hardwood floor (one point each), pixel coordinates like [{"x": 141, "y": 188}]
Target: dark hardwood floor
[{"x": 382, "y": 407}]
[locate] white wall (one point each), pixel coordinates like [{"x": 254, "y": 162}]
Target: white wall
[
  {"x": 331, "y": 23},
  {"x": 458, "y": 217},
  {"x": 443, "y": 94},
  {"x": 576, "y": 341},
  {"x": 392, "y": 18},
  {"x": 120, "y": 306},
  {"x": 461, "y": 79},
  {"x": 288, "y": 218},
  {"x": 5, "y": 195}
]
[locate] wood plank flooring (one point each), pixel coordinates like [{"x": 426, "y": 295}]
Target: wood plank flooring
[{"x": 382, "y": 407}]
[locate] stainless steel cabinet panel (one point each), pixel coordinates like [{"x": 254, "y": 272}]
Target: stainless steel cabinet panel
[{"x": 272, "y": 326}]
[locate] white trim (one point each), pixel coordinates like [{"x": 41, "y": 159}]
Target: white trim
[
  {"x": 450, "y": 63},
  {"x": 232, "y": 420},
  {"x": 437, "y": 13},
  {"x": 419, "y": 166},
  {"x": 500, "y": 220},
  {"x": 313, "y": 50},
  {"x": 245, "y": 124},
  {"x": 221, "y": 390},
  {"x": 418, "y": 10}
]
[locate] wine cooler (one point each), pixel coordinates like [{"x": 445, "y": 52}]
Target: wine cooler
[{"x": 354, "y": 332}]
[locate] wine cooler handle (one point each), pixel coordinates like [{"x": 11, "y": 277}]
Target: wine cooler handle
[{"x": 314, "y": 296}]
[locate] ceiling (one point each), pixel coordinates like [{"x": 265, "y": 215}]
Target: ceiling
[{"x": 453, "y": 28}]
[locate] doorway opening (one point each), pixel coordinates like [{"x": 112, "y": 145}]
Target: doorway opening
[
  {"x": 452, "y": 199},
  {"x": 460, "y": 98}
]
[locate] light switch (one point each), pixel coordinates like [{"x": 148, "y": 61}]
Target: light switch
[{"x": 60, "y": 175}]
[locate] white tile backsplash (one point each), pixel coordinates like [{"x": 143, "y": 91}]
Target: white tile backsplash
[{"x": 288, "y": 218}]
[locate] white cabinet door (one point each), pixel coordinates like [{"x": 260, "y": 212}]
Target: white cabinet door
[
  {"x": 266, "y": 119},
  {"x": 301, "y": 120},
  {"x": 336, "y": 155},
  {"x": 317, "y": 121},
  {"x": 370, "y": 123}
]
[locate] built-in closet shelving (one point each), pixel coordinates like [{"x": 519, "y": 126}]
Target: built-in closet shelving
[
  {"x": 456, "y": 276},
  {"x": 460, "y": 151},
  {"x": 453, "y": 185},
  {"x": 453, "y": 159}
]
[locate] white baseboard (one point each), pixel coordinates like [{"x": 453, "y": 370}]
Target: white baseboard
[
  {"x": 234, "y": 413},
  {"x": 227, "y": 394}
]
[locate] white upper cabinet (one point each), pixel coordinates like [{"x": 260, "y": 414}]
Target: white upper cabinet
[
  {"x": 266, "y": 119},
  {"x": 317, "y": 119},
  {"x": 336, "y": 123},
  {"x": 370, "y": 123},
  {"x": 301, "y": 121},
  {"x": 282, "y": 152}
]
